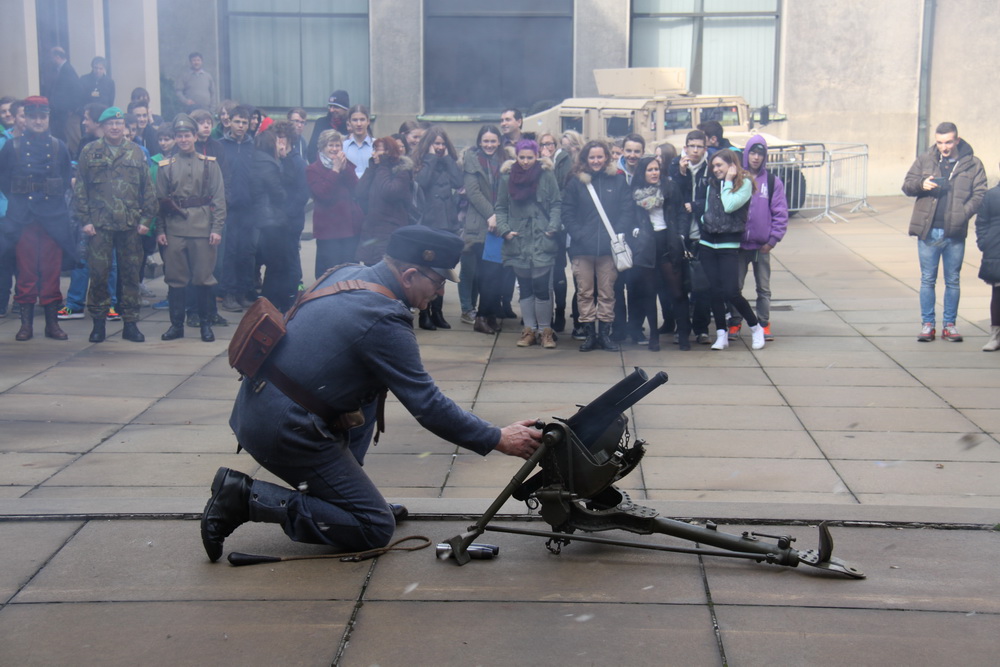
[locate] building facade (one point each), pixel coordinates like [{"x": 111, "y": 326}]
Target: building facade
[{"x": 883, "y": 74}]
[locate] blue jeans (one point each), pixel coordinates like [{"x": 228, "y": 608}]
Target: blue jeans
[
  {"x": 936, "y": 249},
  {"x": 76, "y": 295}
]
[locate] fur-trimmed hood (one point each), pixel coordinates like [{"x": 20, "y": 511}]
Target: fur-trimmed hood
[
  {"x": 610, "y": 170},
  {"x": 404, "y": 164},
  {"x": 544, "y": 161}
]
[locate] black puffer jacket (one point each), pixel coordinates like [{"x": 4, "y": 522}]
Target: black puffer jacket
[
  {"x": 580, "y": 219},
  {"x": 268, "y": 191},
  {"x": 988, "y": 236}
]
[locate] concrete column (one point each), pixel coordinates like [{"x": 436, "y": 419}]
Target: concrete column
[
  {"x": 134, "y": 48},
  {"x": 600, "y": 40},
  {"x": 19, "y": 49},
  {"x": 86, "y": 32},
  {"x": 397, "y": 61}
]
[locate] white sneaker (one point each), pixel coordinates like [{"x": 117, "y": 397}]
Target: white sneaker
[
  {"x": 721, "y": 339},
  {"x": 757, "y": 334}
]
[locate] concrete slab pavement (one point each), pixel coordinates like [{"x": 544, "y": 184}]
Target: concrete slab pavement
[{"x": 107, "y": 450}]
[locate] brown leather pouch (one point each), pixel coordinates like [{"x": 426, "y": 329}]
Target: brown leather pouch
[{"x": 259, "y": 332}]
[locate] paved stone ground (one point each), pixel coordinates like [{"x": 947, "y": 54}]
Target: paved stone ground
[{"x": 107, "y": 451}]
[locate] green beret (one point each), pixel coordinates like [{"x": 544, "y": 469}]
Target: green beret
[{"x": 110, "y": 113}]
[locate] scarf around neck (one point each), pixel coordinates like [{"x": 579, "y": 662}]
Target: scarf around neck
[
  {"x": 523, "y": 183},
  {"x": 649, "y": 198}
]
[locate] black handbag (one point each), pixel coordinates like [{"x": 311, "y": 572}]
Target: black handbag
[{"x": 696, "y": 274}]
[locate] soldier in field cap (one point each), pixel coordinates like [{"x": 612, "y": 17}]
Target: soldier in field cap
[
  {"x": 192, "y": 199},
  {"x": 346, "y": 351}
]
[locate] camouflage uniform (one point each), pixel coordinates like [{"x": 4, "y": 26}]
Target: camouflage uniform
[{"x": 115, "y": 194}]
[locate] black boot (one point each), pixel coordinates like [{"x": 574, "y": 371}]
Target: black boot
[
  {"x": 399, "y": 512},
  {"x": 205, "y": 313},
  {"x": 99, "y": 332},
  {"x": 130, "y": 331},
  {"x": 425, "y": 320},
  {"x": 52, "y": 328},
  {"x": 175, "y": 297},
  {"x": 227, "y": 509},
  {"x": 604, "y": 337},
  {"x": 437, "y": 318},
  {"x": 27, "y": 329},
  {"x": 654, "y": 339},
  {"x": 590, "y": 342},
  {"x": 559, "y": 323}
]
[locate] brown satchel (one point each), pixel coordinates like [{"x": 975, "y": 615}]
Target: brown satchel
[
  {"x": 258, "y": 333},
  {"x": 262, "y": 328}
]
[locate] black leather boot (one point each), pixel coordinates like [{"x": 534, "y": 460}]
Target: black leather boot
[
  {"x": 205, "y": 313},
  {"x": 99, "y": 333},
  {"x": 559, "y": 323},
  {"x": 590, "y": 342},
  {"x": 27, "y": 329},
  {"x": 399, "y": 512},
  {"x": 52, "y": 328},
  {"x": 437, "y": 318},
  {"x": 604, "y": 337},
  {"x": 227, "y": 509},
  {"x": 175, "y": 297},
  {"x": 130, "y": 331},
  {"x": 425, "y": 320}
]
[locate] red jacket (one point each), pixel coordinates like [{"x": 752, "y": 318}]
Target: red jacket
[{"x": 335, "y": 215}]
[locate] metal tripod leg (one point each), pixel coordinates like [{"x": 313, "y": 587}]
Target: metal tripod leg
[{"x": 460, "y": 543}]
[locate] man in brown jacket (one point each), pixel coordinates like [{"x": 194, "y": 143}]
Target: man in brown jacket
[
  {"x": 192, "y": 214},
  {"x": 949, "y": 182}
]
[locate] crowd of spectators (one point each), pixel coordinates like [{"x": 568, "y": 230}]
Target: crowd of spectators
[{"x": 696, "y": 217}]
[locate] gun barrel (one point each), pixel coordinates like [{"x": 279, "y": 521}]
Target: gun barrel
[{"x": 594, "y": 418}]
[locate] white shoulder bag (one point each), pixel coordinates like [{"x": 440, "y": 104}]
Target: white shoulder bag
[{"x": 619, "y": 248}]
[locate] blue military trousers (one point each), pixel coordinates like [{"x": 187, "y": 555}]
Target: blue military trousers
[{"x": 332, "y": 501}]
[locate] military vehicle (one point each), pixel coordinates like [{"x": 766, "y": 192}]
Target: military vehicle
[{"x": 654, "y": 102}]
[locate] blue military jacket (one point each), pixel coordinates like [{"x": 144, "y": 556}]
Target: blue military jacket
[
  {"x": 27, "y": 163},
  {"x": 346, "y": 349}
]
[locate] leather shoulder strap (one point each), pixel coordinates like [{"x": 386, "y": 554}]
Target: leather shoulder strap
[{"x": 337, "y": 288}]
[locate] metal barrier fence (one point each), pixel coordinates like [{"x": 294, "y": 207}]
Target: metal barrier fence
[{"x": 820, "y": 177}]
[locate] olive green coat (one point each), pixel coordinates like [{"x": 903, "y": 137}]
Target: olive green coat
[
  {"x": 532, "y": 220},
  {"x": 480, "y": 191},
  {"x": 192, "y": 175}
]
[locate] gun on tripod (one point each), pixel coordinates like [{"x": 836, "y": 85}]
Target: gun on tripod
[{"x": 581, "y": 458}]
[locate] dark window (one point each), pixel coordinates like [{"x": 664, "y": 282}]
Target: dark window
[
  {"x": 481, "y": 56},
  {"x": 292, "y": 53},
  {"x": 618, "y": 127},
  {"x": 574, "y": 123},
  {"x": 725, "y": 115},
  {"x": 676, "y": 119}
]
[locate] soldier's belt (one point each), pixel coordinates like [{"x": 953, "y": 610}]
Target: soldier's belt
[
  {"x": 52, "y": 187},
  {"x": 193, "y": 202}
]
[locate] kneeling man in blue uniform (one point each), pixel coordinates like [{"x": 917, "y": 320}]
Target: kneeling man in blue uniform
[{"x": 348, "y": 349}]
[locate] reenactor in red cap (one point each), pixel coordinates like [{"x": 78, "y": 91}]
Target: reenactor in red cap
[{"x": 35, "y": 173}]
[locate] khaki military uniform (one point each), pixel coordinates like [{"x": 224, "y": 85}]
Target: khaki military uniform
[
  {"x": 192, "y": 206},
  {"x": 115, "y": 194}
]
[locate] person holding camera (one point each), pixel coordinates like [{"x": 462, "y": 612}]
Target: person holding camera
[{"x": 949, "y": 182}]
